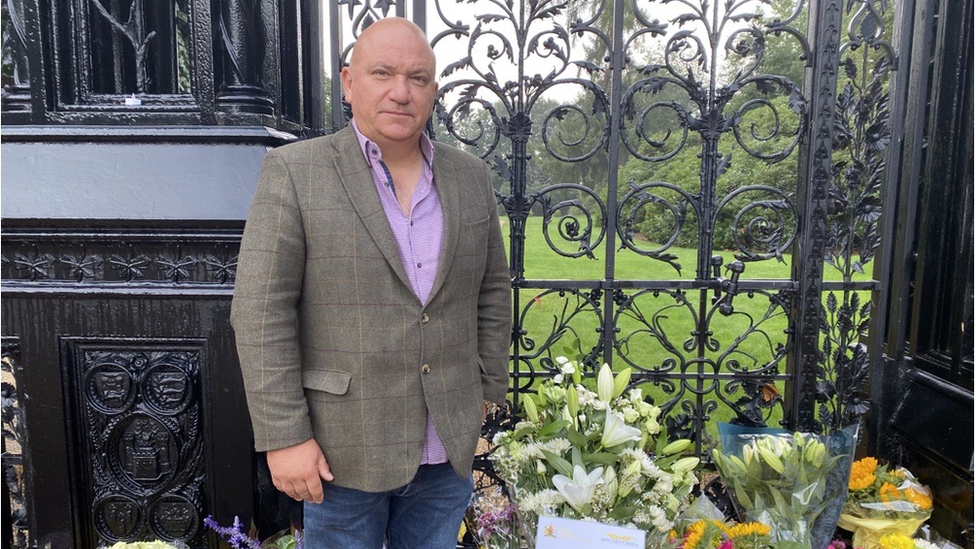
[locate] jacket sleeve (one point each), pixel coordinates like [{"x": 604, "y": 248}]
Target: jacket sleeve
[
  {"x": 494, "y": 308},
  {"x": 264, "y": 310}
]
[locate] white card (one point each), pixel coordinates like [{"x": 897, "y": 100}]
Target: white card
[{"x": 561, "y": 533}]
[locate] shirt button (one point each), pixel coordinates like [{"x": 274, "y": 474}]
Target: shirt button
[
  {"x": 419, "y": 265},
  {"x": 424, "y": 318},
  {"x": 425, "y": 368}
]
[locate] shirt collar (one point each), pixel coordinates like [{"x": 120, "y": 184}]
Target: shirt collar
[{"x": 373, "y": 153}]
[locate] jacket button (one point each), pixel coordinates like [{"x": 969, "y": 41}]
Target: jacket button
[
  {"x": 424, "y": 318},
  {"x": 425, "y": 368}
]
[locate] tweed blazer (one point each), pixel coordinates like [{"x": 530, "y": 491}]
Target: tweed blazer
[{"x": 334, "y": 344}]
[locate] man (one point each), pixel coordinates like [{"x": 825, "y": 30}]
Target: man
[{"x": 372, "y": 311}]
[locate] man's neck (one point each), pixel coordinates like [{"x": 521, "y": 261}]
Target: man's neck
[{"x": 400, "y": 153}]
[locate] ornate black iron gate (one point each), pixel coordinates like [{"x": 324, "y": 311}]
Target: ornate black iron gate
[
  {"x": 661, "y": 139},
  {"x": 693, "y": 189}
]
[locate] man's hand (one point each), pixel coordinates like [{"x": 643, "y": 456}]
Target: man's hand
[{"x": 298, "y": 471}]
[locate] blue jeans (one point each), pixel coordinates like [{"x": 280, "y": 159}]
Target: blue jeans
[{"x": 424, "y": 514}]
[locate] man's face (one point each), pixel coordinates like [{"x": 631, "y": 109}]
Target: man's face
[{"x": 390, "y": 84}]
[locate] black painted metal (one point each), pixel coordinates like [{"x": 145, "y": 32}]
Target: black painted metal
[
  {"x": 192, "y": 62},
  {"x": 925, "y": 334},
  {"x": 592, "y": 115}
]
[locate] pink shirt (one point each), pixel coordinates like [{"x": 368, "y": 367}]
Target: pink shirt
[{"x": 418, "y": 237}]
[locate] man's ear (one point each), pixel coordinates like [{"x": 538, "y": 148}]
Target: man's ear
[{"x": 346, "y": 78}]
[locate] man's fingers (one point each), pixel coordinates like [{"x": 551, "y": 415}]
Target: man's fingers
[
  {"x": 325, "y": 472},
  {"x": 314, "y": 491},
  {"x": 298, "y": 471}
]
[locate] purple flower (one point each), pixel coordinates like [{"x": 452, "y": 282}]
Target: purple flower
[{"x": 233, "y": 534}]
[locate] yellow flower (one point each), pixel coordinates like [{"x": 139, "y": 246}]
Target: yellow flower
[
  {"x": 861, "y": 471},
  {"x": 748, "y": 529},
  {"x": 703, "y": 534},
  {"x": 889, "y": 492},
  {"x": 896, "y": 541},
  {"x": 694, "y": 535},
  {"x": 921, "y": 499},
  {"x": 864, "y": 466},
  {"x": 861, "y": 482}
]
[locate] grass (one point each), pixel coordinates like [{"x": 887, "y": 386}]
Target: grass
[{"x": 657, "y": 330}]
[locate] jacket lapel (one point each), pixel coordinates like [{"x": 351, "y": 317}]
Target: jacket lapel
[
  {"x": 355, "y": 177},
  {"x": 445, "y": 181}
]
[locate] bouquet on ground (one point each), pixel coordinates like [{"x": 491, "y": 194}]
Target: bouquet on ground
[
  {"x": 716, "y": 534},
  {"x": 883, "y": 500},
  {"x": 703, "y": 526},
  {"x": 779, "y": 479},
  {"x": 593, "y": 455}
]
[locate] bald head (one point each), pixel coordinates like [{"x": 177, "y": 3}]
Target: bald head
[
  {"x": 391, "y": 32},
  {"x": 390, "y": 84}
]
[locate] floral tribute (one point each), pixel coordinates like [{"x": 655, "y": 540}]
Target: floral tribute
[
  {"x": 714, "y": 534},
  {"x": 778, "y": 479},
  {"x": 883, "y": 500},
  {"x": 590, "y": 455}
]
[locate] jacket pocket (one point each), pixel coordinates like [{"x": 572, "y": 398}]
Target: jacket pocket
[{"x": 329, "y": 381}]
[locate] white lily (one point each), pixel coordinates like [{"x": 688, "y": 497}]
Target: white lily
[
  {"x": 604, "y": 384},
  {"x": 616, "y": 431},
  {"x": 578, "y": 490}
]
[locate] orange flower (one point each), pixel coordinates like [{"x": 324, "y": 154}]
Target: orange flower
[
  {"x": 861, "y": 482},
  {"x": 921, "y": 499},
  {"x": 862, "y": 473},
  {"x": 864, "y": 466},
  {"x": 889, "y": 492}
]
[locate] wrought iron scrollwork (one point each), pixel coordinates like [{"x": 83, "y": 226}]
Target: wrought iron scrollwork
[
  {"x": 576, "y": 315},
  {"x": 764, "y": 227},
  {"x": 642, "y": 201},
  {"x": 515, "y": 57},
  {"x": 575, "y": 219},
  {"x": 688, "y": 91},
  {"x": 748, "y": 355}
]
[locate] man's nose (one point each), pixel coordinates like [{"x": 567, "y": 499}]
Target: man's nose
[{"x": 400, "y": 90}]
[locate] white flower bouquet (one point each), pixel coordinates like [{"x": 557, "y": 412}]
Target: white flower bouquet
[
  {"x": 787, "y": 480},
  {"x": 596, "y": 456}
]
